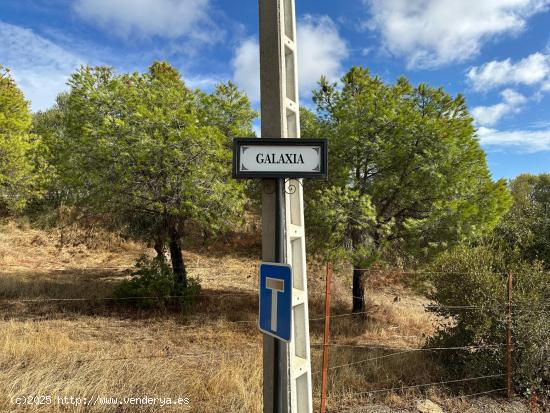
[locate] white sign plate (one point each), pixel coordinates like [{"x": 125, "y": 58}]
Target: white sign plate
[{"x": 278, "y": 158}]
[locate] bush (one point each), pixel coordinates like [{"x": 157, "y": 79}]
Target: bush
[
  {"x": 477, "y": 277},
  {"x": 153, "y": 285}
]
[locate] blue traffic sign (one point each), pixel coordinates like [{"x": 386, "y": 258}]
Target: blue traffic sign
[{"x": 276, "y": 300}]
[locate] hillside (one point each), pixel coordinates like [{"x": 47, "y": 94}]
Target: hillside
[{"x": 62, "y": 337}]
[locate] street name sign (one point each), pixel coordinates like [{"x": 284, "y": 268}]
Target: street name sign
[
  {"x": 280, "y": 158},
  {"x": 275, "y": 317}
]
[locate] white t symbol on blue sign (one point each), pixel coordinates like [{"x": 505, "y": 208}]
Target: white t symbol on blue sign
[
  {"x": 275, "y": 316},
  {"x": 276, "y": 286}
]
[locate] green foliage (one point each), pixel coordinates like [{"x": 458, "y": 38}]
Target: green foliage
[
  {"x": 338, "y": 213},
  {"x": 525, "y": 231},
  {"x": 48, "y": 125},
  {"x": 477, "y": 278},
  {"x": 17, "y": 173},
  {"x": 153, "y": 286},
  {"x": 413, "y": 152},
  {"x": 229, "y": 110},
  {"x": 135, "y": 142},
  {"x": 147, "y": 152}
]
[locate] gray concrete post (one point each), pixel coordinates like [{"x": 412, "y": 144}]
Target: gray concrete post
[{"x": 281, "y": 119}]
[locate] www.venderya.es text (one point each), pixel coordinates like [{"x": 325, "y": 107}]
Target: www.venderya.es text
[{"x": 99, "y": 401}]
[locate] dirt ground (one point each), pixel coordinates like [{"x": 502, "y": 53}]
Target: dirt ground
[{"x": 481, "y": 405}]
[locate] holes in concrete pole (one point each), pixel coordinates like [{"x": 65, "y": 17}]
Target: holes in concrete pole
[
  {"x": 290, "y": 75},
  {"x": 289, "y": 19},
  {"x": 302, "y": 394},
  {"x": 300, "y": 332},
  {"x": 296, "y": 202},
  {"x": 298, "y": 280},
  {"x": 291, "y": 124}
]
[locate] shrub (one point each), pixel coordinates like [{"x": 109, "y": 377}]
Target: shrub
[
  {"x": 476, "y": 278},
  {"x": 153, "y": 285}
]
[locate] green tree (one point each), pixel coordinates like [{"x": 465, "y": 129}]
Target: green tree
[
  {"x": 470, "y": 289},
  {"x": 339, "y": 211},
  {"x": 17, "y": 172},
  {"x": 413, "y": 152},
  {"x": 229, "y": 110},
  {"x": 137, "y": 147},
  {"x": 525, "y": 229},
  {"x": 48, "y": 125}
]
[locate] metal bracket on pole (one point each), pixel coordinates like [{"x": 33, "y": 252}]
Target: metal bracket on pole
[{"x": 287, "y": 367}]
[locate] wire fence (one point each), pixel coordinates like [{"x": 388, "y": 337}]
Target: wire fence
[
  {"x": 508, "y": 311},
  {"x": 115, "y": 299},
  {"x": 254, "y": 293},
  {"x": 417, "y": 386},
  {"x": 394, "y": 352}
]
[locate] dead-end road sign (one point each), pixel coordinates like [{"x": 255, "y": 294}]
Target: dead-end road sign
[{"x": 276, "y": 300}]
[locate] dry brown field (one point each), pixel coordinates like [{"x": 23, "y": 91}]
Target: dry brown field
[{"x": 81, "y": 347}]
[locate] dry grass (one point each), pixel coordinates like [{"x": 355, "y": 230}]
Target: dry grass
[
  {"x": 97, "y": 348},
  {"x": 100, "y": 356},
  {"x": 25, "y": 248},
  {"x": 386, "y": 335}
]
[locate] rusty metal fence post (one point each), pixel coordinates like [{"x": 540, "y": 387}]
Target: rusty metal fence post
[{"x": 326, "y": 339}]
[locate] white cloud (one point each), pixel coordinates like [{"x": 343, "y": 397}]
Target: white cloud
[
  {"x": 39, "y": 66},
  {"x": 165, "y": 18},
  {"x": 204, "y": 82},
  {"x": 528, "y": 71},
  {"x": 512, "y": 102},
  {"x": 431, "y": 33},
  {"x": 525, "y": 140},
  {"x": 513, "y": 98},
  {"x": 246, "y": 68},
  {"x": 321, "y": 51},
  {"x": 489, "y": 115}
]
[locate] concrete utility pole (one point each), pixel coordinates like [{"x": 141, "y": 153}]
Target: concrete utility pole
[{"x": 287, "y": 367}]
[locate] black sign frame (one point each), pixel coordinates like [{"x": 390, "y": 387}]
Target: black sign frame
[{"x": 238, "y": 142}]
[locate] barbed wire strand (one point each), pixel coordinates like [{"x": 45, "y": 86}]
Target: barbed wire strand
[
  {"x": 222, "y": 295},
  {"x": 426, "y": 385},
  {"x": 413, "y": 349},
  {"x": 255, "y": 268},
  {"x": 127, "y": 267},
  {"x": 378, "y": 271},
  {"x": 155, "y": 356},
  {"x": 500, "y": 308},
  {"x": 365, "y": 360},
  {"x": 475, "y": 394},
  {"x": 516, "y": 346},
  {"x": 243, "y": 293}
]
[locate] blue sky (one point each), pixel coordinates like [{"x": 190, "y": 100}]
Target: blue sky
[{"x": 495, "y": 52}]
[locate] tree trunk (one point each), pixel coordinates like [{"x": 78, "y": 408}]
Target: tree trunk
[
  {"x": 176, "y": 256},
  {"x": 159, "y": 249},
  {"x": 358, "y": 291}
]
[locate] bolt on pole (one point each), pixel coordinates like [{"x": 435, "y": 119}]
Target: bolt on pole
[{"x": 287, "y": 367}]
